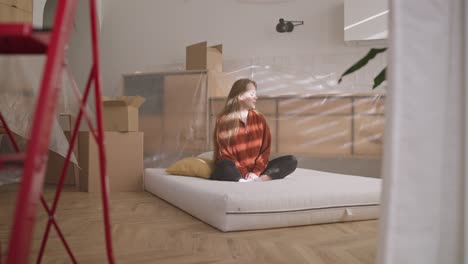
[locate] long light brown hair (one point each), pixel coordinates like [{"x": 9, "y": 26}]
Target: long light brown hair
[{"x": 227, "y": 121}]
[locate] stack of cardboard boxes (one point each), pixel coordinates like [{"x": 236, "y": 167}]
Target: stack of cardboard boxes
[
  {"x": 123, "y": 144},
  {"x": 176, "y": 114},
  {"x": 200, "y": 56}
]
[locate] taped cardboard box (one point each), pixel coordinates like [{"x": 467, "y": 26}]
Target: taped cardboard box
[
  {"x": 124, "y": 156},
  {"x": 201, "y": 57},
  {"x": 121, "y": 113}
]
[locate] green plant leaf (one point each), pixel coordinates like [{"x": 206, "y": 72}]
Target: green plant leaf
[
  {"x": 380, "y": 78},
  {"x": 362, "y": 62}
]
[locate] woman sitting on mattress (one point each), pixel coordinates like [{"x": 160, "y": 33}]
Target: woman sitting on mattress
[{"x": 243, "y": 140}]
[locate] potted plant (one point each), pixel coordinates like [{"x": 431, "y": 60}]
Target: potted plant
[{"x": 362, "y": 62}]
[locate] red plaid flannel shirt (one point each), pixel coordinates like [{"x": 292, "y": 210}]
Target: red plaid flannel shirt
[{"x": 249, "y": 148}]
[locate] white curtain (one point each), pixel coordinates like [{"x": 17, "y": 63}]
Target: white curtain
[{"x": 424, "y": 203}]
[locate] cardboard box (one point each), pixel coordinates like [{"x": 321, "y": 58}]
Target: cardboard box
[
  {"x": 56, "y": 161},
  {"x": 121, "y": 113},
  {"x": 124, "y": 156},
  {"x": 201, "y": 57},
  {"x": 219, "y": 84},
  {"x": 67, "y": 121},
  {"x": 18, "y": 11}
]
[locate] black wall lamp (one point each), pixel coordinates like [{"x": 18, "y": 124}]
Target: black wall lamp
[{"x": 287, "y": 26}]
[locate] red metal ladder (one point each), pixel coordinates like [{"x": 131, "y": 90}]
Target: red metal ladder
[{"x": 21, "y": 39}]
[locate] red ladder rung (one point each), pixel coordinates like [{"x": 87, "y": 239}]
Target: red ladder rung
[
  {"x": 12, "y": 160},
  {"x": 18, "y": 38}
]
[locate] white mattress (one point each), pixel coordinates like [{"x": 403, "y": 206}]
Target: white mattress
[{"x": 305, "y": 197}]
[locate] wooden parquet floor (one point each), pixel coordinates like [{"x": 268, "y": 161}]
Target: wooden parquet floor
[{"x": 146, "y": 229}]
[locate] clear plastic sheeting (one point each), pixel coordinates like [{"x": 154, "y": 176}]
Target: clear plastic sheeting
[
  {"x": 19, "y": 88},
  {"x": 324, "y": 124},
  {"x": 174, "y": 117}
]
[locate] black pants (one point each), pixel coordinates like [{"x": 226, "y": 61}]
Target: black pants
[{"x": 226, "y": 170}]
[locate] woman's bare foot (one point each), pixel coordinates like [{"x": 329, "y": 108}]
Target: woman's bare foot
[{"x": 265, "y": 177}]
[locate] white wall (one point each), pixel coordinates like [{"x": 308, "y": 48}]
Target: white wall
[
  {"x": 79, "y": 48},
  {"x": 145, "y": 34},
  {"x": 38, "y": 12},
  {"x": 366, "y": 19}
]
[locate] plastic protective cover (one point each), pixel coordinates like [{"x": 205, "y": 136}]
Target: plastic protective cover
[
  {"x": 309, "y": 114},
  {"x": 323, "y": 123},
  {"x": 19, "y": 89}
]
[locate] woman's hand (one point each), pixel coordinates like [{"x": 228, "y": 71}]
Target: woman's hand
[{"x": 251, "y": 175}]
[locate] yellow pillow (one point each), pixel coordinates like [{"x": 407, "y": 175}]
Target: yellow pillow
[{"x": 192, "y": 166}]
